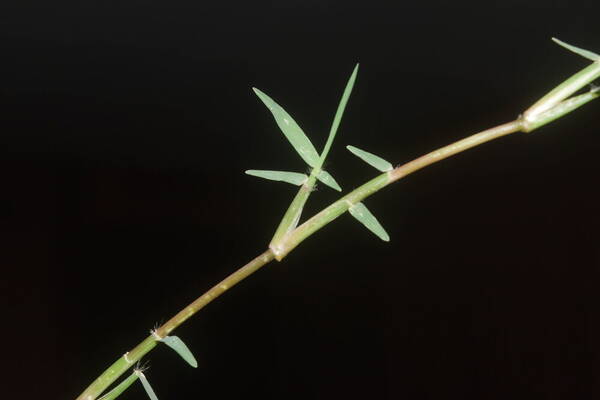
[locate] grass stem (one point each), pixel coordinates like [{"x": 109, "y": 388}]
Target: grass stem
[{"x": 129, "y": 359}]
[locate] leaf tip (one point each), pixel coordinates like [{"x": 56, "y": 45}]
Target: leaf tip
[
  {"x": 180, "y": 348},
  {"x": 326, "y": 178},
  {"x": 365, "y": 217},
  {"x": 371, "y": 159},
  {"x": 261, "y": 95},
  {"x": 582, "y": 52}
]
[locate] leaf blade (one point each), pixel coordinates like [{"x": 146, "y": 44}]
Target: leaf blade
[
  {"x": 577, "y": 50},
  {"x": 175, "y": 343},
  {"x": 120, "y": 388},
  {"x": 339, "y": 112},
  {"x": 292, "y": 131},
  {"x": 365, "y": 217},
  {"x": 326, "y": 178},
  {"x": 146, "y": 384},
  {"x": 371, "y": 159},
  {"x": 294, "y": 178}
]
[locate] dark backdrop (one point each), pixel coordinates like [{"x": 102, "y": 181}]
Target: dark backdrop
[{"x": 125, "y": 130}]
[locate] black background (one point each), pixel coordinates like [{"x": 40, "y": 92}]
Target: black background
[{"x": 125, "y": 130}]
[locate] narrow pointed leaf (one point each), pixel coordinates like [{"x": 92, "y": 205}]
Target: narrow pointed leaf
[
  {"x": 146, "y": 384},
  {"x": 120, "y": 388},
  {"x": 291, "y": 130},
  {"x": 582, "y": 52},
  {"x": 327, "y": 179},
  {"x": 364, "y": 216},
  {"x": 180, "y": 348},
  {"x": 295, "y": 178},
  {"x": 339, "y": 113},
  {"x": 371, "y": 159}
]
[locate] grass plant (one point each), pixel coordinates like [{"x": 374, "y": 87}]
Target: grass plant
[{"x": 290, "y": 233}]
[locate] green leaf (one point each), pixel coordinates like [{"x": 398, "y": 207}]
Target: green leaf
[
  {"x": 146, "y": 384},
  {"x": 120, "y": 388},
  {"x": 364, "y": 216},
  {"x": 371, "y": 159},
  {"x": 327, "y": 179},
  {"x": 339, "y": 113},
  {"x": 180, "y": 348},
  {"x": 295, "y": 178},
  {"x": 291, "y": 130},
  {"x": 582, "y": 52}
]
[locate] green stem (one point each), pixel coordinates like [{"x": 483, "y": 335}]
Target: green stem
[
  {"x": 120, "y": 388},
  {"x": 294, "y": 211},
  {"x": 455, "y": 148},
  {"x": 215, "y": 292},
  {"x": 562, "y": 108},
  {"x": 117, "y": 369},
  {"x": 336, "y": 209},
  {"x": 562, "y": 91},
  {"x": 128, "y": 359}
]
